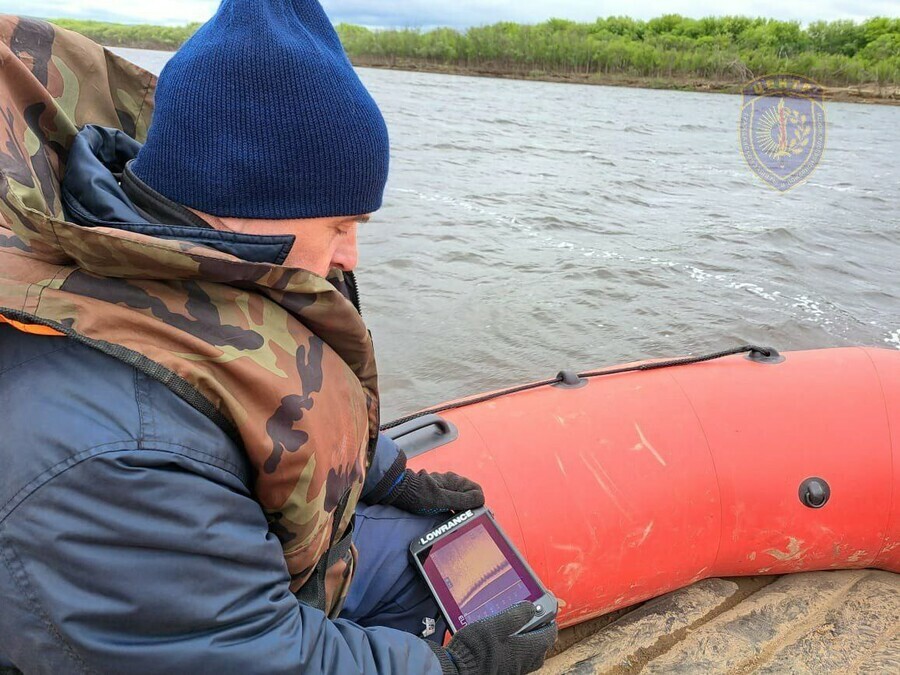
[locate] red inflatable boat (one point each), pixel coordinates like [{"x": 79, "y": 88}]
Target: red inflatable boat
[{"x": 622, "y": 485}]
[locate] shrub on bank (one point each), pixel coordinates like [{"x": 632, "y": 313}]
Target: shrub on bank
[
  {"x": 722, "y": 49},
  {"x": 141, "y": 36}
]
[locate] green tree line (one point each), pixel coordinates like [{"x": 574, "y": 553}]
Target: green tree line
[
  {"x": 140, "y": 36},
  {"x": 721, "y": 49}
]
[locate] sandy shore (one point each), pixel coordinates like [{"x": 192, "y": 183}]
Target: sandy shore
[{"x": 815, "y": 622}]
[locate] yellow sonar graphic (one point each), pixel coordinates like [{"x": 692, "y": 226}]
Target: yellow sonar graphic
[{"x": 462, "y": 564}]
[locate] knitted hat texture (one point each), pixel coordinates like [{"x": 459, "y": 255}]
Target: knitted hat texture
[{"x": 260, "y": 115}]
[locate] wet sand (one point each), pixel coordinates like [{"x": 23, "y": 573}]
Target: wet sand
[{"x": 816, "y": 623}]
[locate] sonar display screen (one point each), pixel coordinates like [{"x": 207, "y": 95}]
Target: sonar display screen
[{"x": 476, "y": 575}]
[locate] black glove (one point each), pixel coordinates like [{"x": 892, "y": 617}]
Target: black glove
[
  {"x": 489, "y": 646},
  {"x": 426, "y": 493}
]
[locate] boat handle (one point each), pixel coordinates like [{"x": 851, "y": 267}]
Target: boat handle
[{"x": 411, "y": 438}]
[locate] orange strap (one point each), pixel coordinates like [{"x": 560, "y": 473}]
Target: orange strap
[{"x": 32, "y": 328}]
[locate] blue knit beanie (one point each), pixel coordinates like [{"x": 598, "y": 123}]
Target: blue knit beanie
[{"x": 261, "y": 115}]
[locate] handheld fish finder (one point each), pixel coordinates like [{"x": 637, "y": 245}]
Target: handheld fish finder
[{"x": 475, "y": 572}]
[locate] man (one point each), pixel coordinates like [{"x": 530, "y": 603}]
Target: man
[{"x": 189, "y": 406}]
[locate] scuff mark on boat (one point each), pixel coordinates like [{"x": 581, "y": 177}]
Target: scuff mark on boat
[
  {"x": 857, "y": 556},
  {"x": 569, "y": 548},
  {"x": 595, "y": 540},
  {"x": 571, "y": 572},
  {"x": 560, "y": 465},
  {"x": 793, "y": 552},
  {"x": 644, "y": 444},
  {"x": 593, "y": 465},
  {"x": 645, "y": 534},
  {"x": 700, "y": 575}
]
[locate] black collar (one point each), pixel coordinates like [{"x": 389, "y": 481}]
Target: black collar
[{"x": 155, "y": 207}]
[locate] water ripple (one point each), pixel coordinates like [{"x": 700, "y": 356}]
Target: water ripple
[{"x": 529, "y": 227}]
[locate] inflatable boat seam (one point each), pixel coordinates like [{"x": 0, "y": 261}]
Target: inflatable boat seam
[
  {"x": 502, "y": 478},
  {"x": 712, "y": 459},
  {"x": 887, "y": 419}
]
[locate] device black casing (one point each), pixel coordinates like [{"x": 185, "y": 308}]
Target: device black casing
[{"x": 546, "y": 606}]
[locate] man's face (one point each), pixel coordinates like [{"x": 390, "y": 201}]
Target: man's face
[{"x": 320, "y": 244}]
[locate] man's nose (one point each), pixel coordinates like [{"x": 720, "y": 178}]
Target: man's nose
[{"x": 347, "y": 254}]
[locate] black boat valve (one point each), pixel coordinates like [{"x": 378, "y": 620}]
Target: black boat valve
[
  {"x": 568, "y": 379},
  {"x": 764, "y": 355},
  {"x": 814, "y": 493}
]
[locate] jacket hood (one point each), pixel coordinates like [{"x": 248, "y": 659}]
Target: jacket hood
[
  {"x": 99, "y": 189},
  {"x": 54, "y": 83}
]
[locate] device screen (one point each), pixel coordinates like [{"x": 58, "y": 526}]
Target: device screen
[{"x": 475, "y": 574}]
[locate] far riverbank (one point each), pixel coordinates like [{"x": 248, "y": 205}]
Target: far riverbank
[
  {"x": 852, "y": 61},
  {"x": 862, "y": 93}
]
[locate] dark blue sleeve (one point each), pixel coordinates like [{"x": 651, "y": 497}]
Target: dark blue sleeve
[
  {"x": 385, "y": 464},
  {"x": 158, "y": 560}
]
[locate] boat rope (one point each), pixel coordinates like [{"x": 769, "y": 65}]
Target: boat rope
[{"x": 764, "y": 353}]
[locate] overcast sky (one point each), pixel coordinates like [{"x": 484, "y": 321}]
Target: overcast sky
[{"x": 462, "y": 13}]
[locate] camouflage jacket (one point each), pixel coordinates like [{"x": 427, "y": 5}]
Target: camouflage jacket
[{"x": 277, "y": 357}]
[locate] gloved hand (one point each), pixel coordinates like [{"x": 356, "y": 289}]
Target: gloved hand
[
  {"x": 489, "y": 646},
  {"x": 428, "y": 493},
  {"x": 423, "y": 492}
]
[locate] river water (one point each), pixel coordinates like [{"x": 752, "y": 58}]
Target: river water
[{"x": 532, "y": 226}]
